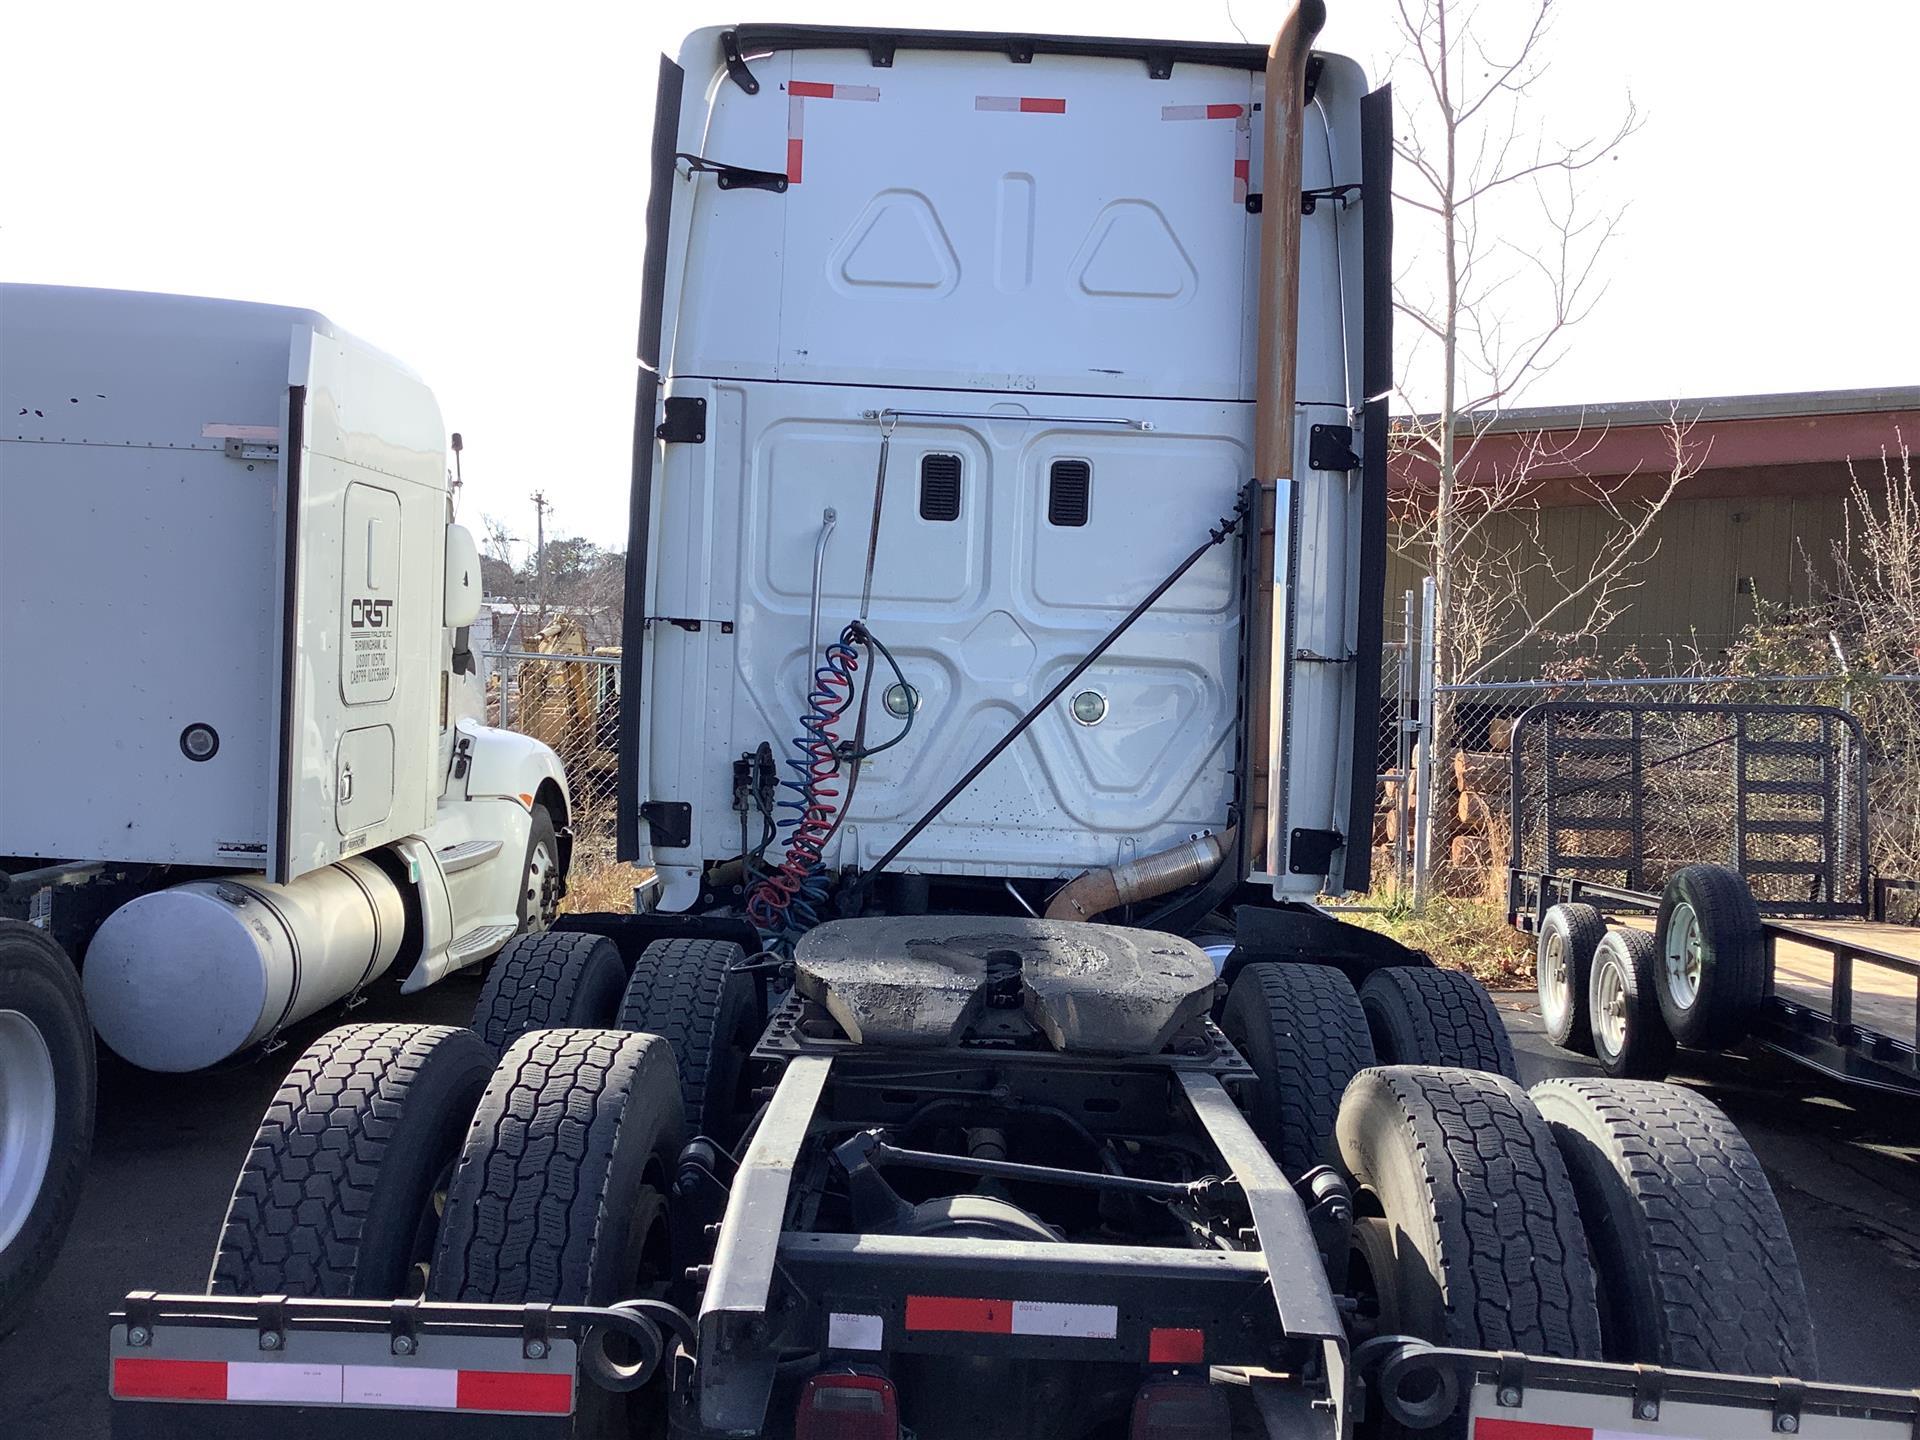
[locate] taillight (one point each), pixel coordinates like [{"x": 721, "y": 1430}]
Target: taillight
[
  {"x": 1180, "y": 1410},
  {"x": 848, "y": 1407}
]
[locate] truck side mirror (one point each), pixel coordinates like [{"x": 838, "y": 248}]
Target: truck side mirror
[{"x": 464, "y": 587}]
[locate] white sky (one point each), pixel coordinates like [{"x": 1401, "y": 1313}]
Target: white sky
[{"x": 463, "y": 185}]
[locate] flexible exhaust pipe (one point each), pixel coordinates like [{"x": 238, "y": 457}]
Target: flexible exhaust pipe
[
  {"x": 1276, "y": 355},
  {"x": 1091, "y": 895}
]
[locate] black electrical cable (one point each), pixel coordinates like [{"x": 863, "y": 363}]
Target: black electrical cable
[
  {"x": 1216, "y": 536},
  {"x": 863, "y": 635}
]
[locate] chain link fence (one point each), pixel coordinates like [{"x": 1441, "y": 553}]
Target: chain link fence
[
  {"x": 1777, "y": 795},
  {"x": 1443, "y": 823},
  {"x": 571, "y": 704}
]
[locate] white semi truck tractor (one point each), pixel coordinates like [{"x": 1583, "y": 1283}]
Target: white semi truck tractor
[{"x": 244, "y": 769}]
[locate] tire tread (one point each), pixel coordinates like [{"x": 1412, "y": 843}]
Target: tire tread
[
  {"x": 1514, "y": 1272},
  {"x": 532, "y": 984},
  {"x": 299, "y": 1205},
  {"x": 1726, "y": 1281},
  {"x": 1319, "y": 1041},
  {"x": 1451, "y": 1017}
]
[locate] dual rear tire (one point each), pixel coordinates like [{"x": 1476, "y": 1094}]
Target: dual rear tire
[{"x": 1590, "y": 1219}]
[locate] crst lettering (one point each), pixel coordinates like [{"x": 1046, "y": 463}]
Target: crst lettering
[{"x": 371, "y": 614}]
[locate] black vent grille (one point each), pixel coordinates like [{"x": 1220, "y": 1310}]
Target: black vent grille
[
  {"x": 939, "y": 487},
  {"x": 1069, "y": 483}
]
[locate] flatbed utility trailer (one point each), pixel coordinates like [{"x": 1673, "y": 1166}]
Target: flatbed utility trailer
[{"x": 1612, "y": 800}]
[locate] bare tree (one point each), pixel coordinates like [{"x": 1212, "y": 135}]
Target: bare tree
[{"x": 1509, "y": 265}]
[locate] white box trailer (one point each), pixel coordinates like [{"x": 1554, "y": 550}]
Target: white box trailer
[{"x": 236, "y": 694}]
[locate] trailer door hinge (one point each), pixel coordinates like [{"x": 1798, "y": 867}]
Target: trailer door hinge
[
  {"x": 251, "y": 449},
  {"x": 1310, "y": 852},
  {"x": 735, "y": 177},
  {"x": 670, "y": 821},
  {"x": 686, "y": 421},
  {"x": 1330, "y": 447}
]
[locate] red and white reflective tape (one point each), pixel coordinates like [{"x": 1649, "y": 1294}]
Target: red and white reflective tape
[
  {"x": 1012, "y": 1317},
  {"x": 1202, "y": 112},
  {"x": 1490, "y": 1428},
  {"x": 1242, "y": 137},
  {"x": 801, "y": 91},
  {"x": 1024, "y": 104},
  {"x": 396, "y": 1387}
]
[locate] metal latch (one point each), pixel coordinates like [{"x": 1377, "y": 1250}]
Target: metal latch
[{"x": 238, "y": 449}]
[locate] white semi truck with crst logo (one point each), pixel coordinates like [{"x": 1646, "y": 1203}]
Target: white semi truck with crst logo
[{"x": 244, "y": 773}]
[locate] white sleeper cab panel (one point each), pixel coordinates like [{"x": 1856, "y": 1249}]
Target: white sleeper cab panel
[
  {"x": 138, "y": 541},
  {"x": 150, "y": 605},
  {"x": 1036, "y": 281}
]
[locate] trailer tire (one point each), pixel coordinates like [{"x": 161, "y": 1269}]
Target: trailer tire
[
  {"x": 1303, "y": 1031},
  {"x": 1419, "y": 1015},
  {"x": 337, "y": 1198},
  {"x": 1468, "y": 1231},
  {"x": 1712, "y": 955},
  {"x": 1563, "y": 964},
  {"x": 1695, "y": 1265},
  {"x": 688, "y": 993},
  {"x": 559, "y": 1196},
  {"x": 1627, "y": 1032},
  {"x": 554, "y": 979},
  {"x": 46, "y": 1114},
  {"x": 541, "y": 882}
]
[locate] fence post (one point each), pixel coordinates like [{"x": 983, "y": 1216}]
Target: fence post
[
  {"x": 1423, "y": 805},
  {"x": 1403, "y": 741}
]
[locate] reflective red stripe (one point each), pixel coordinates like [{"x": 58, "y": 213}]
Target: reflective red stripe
[
  {"x": 1486, "y": 1429},
  {"x": 946, "y": 1312},
  {"x": 142, "y": 1379},
  {"x": 793, "y": 161},
  {"x": 810, "y": 87},
  {"x": 1223, "y": 112},
  {"x": 527, "y": 1393},
  {"x": 1032, "y": 105},
  {"x": 1168, "y": 1346}
]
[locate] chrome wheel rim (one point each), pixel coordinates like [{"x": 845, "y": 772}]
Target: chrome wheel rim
[
  {"x": 1683, "y": 955},
  {"x": 1610, "y": 1006},
  {"x": 29, "y": 1109},
  {"x": 543, "y": 873},
  {"x": 1556, "y": 981}
]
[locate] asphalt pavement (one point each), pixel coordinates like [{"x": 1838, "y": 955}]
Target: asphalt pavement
[{"x": 1846, "y": 1166}]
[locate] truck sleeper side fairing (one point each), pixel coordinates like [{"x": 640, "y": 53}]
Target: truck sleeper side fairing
[
  {"x": 223, "y": 560},
  {"x": 1036, "y": 284}
]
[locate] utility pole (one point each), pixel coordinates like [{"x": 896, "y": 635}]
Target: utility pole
[{"x": 540, "y": 508}]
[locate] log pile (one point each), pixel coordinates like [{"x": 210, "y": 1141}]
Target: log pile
[{"x": 1482, "y": 820}]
